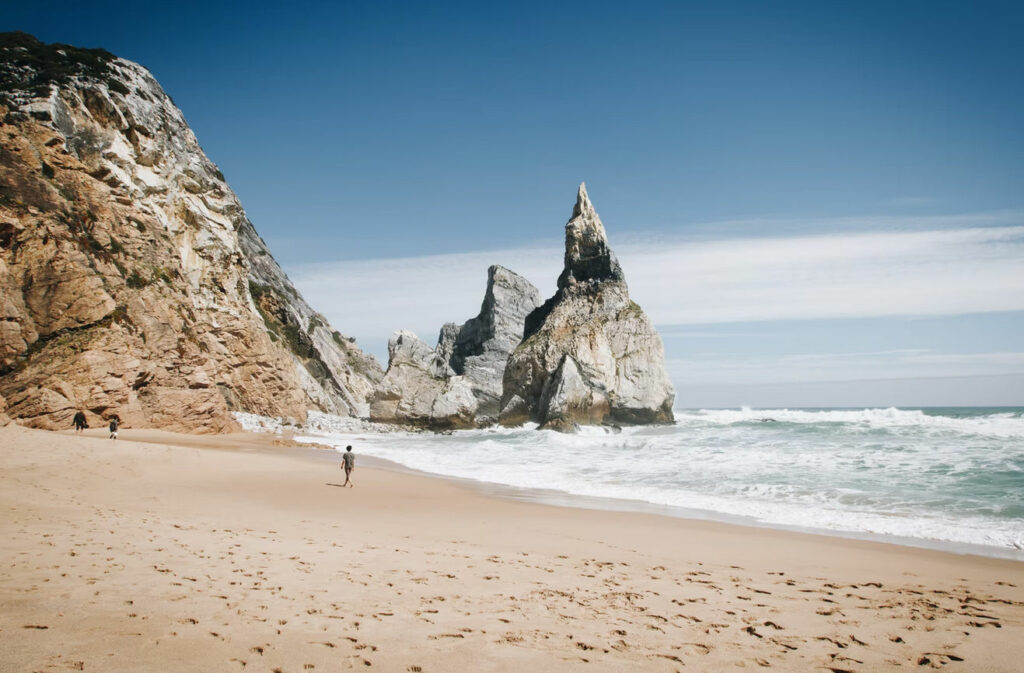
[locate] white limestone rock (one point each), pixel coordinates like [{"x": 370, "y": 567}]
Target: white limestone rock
[
  {"x": 458, "y": 383},
  {"x": 589, "y": 355},
  {"x": 481, "y": 346},
  {"x": 412, "y": 393},
  {"x": 567, "y": 400}
]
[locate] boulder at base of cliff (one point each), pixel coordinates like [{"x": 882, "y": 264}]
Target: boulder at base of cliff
[
  {"x": 416, "y": 391},
  {"x": 568, "y": 401}
]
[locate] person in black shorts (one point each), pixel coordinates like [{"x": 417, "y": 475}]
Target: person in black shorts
[
  {"x": 79, "y": 421},
  {"x": 348, "y": 463}
]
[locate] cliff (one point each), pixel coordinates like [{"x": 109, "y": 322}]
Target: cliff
[
  {"x": 589, "y": 354},
  {"x": 131, "y": 281}
]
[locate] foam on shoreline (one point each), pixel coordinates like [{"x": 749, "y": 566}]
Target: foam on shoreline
[{"x": 938, "y": 480}]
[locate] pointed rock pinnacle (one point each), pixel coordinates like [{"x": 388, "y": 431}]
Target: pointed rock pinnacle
[
  {"x": 587, "y": 255},
  {"x": 589, "y": 354},
  {"x": 583, "y": 206}
]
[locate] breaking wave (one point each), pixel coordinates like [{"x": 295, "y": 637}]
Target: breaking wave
[{"x": 928, "y": 476}]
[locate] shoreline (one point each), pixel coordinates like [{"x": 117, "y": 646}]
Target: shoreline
[
  {"x": 608, "y": 504},
  {"x": 292, "y": 438},
  {"x": 612, "y": 504},
  {"x": 290, "y": 445},
  {"x": 311, "y": 448},
  {"x": 163, "y": 551}
]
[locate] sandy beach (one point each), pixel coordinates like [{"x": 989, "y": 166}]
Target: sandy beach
[{"x": 163, "y": 552}]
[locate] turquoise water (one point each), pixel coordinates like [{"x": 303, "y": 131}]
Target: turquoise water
[{"x": 952, "y": 476}]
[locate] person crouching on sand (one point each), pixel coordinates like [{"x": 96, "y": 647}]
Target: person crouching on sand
[
  {"x": 348, "y": 463},
  {"x": 113, "y": 427},
  {"x": 79, "y": 421}
]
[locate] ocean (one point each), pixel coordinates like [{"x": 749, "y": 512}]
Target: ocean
[{"x": 949, "y": 478}]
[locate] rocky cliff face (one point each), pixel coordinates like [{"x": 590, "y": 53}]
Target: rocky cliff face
[
  {"x": 589, "y": 354},
  {"x": 458, "y": 383},
  {"x": 131, "y": 281}
]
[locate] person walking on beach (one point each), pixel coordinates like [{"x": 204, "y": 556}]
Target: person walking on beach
[
  {"x": 113, "y": 427},
  {"x": 79, "y": 421},
  {"x": 348, "y": 463}
]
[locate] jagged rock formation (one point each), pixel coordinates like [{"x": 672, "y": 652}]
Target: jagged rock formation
[
  {"x": 589, "y": 354},
  {"x": 479, "y": 349},
  {"x": 131, "y": 281},
  {"x": 419, "y": 389},
  {"x": 458, "y": 384}
]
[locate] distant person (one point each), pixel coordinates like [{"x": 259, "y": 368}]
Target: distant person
[
  {"x": 113, "y": 427},
  {"x": 348, "y": 463},
  {"x": 80, "y": 422}
]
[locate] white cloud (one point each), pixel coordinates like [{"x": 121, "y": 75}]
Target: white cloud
[
  {"x": 877, "y": 365},
  {"x": 370, "y": 299},
  {"x": 945, "y": 272},
  {"x": 881, "y": 273},
  {"x": 951, "y": 391},
  {"x": 757, "y": 228}
]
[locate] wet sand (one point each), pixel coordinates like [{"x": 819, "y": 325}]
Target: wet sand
[{"x": 168, "y": 552}]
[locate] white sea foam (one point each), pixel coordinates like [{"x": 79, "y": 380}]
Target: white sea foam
[
  {"x": 1005, "y": 424},
  {"x": 888, "y": 472}
]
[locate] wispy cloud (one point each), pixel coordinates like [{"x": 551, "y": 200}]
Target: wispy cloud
[
  {"x": 370, "y": 299},
  {"x": 680, "y": 332},
  {"x": 944, "y": 272},
  {"x": 783, "y": 227},
  {"x": 940, "y": 271},
  {"x": 878, "y": 365},
  {"x": 911, "y": 201}
]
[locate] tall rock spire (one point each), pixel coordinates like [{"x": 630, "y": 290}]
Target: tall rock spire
[
  {"x": 589, "y": 354},
  {"x": 587, "y": 255},
  {"x": 583, "y": 205}
]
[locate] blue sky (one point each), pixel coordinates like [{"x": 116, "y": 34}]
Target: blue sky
[{"x": 802, "y": 194}]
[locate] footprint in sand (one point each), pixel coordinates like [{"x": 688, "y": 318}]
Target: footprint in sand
[
  {"x": 944, "y": 658},
  {"x": 697, "y": 649}
]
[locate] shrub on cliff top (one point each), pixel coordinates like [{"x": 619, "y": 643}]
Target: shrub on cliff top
[{"x": 26, "y": 64}]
